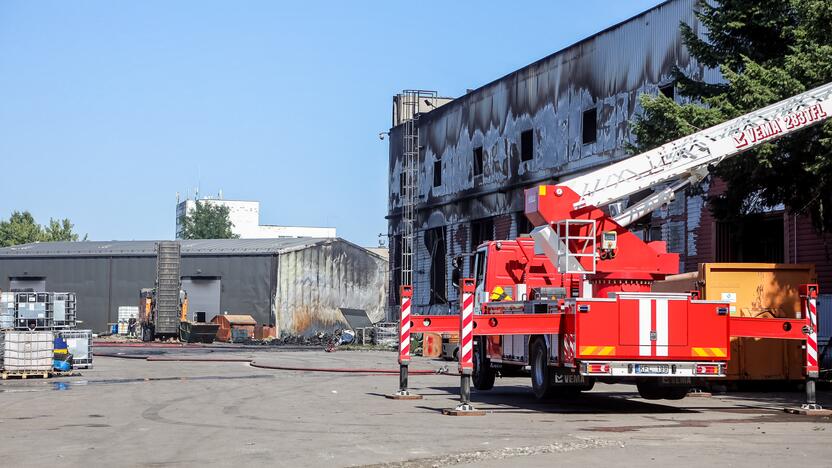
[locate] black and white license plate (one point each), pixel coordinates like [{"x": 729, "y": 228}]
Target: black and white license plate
[{"x": 652, "y": 369}]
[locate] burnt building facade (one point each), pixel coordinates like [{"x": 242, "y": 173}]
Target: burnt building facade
[{"x": 563, "y": 115}]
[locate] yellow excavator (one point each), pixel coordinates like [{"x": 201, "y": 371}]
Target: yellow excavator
[{"x": 155, "y": 323}]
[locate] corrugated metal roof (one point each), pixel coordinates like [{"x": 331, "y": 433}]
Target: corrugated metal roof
[{"x": 148, "y": 248}]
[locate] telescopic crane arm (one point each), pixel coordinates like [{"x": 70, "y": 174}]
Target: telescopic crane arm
[{"x": 686, "y": 160}]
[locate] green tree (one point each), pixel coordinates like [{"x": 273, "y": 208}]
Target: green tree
[
  {"x": 21, "y": 228},
  {"x": 767, "y": 50},
  {"x": 208, "y": 221},
  {"x": 59, "y": 230}
]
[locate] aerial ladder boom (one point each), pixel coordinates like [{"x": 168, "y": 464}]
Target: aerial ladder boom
[{"x": 686, "y": 160}]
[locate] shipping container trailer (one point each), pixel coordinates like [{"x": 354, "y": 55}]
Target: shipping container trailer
[{"x": 754, "y": 290}]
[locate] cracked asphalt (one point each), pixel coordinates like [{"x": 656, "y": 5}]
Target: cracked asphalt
[{"x": 133, "y": 412}]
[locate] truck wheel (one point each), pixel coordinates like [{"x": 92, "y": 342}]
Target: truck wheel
[
  {"x": 541, "y": 374},
  {"x": 483, "y": 376},
  {"x": 676, "y": 393},
  {"x": 650, "y": 390},
  {"x": 147, "y": 334}
]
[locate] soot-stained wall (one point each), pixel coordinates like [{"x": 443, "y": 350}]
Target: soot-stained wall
[{"x": 606, "y": 72}]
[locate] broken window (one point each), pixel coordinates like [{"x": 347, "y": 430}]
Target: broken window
[
  {"x": 481, "y": 230},
  {"x": 478, "y": 162},
  {"x": 396, "y": 268},
  {"x": 526, "y": 145},
  {"x": 668, "y": 90},
  {"x": 437, "y": 173},
  {"x": 590, "y": 125},
  {"x": 435, "y": 244},
  {"x": 751, "y": 238},
  {"x": 401, "y": 183}
]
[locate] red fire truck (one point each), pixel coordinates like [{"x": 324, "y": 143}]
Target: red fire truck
[{"x": 571, "y": 304}]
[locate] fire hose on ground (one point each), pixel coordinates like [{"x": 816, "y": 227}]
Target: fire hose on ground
[{"x": 252, "y": 363}]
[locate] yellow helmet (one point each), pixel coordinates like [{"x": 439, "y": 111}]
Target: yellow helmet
[{"x": 499, "y": 294}]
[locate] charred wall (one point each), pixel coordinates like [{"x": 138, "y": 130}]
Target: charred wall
[
  {"x": 314, "y": 282},
  {"x": 603, "y": 74}
]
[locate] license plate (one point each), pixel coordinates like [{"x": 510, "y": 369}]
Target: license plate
[
  {"x": 652, "y": 369},
  {"x": 569, "y": 379}
]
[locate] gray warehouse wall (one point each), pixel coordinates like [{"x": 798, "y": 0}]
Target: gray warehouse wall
[
  {"x": 127, "y": 276},
  {"x": 314, "y": 283},
  {"x": 104, "y": 283},
  {"x": 246, "y": 282},
  {"x": 88, "y": 277}
]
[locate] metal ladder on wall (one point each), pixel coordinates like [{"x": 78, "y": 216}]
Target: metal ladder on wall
[
  {"x": 411, "y": 100},
  {"x": 168, "y": 284}
]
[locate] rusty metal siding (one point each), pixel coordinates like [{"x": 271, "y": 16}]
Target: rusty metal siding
[
  {"x": 313, "y": 283},
  {"x": 804, "y": 245}
]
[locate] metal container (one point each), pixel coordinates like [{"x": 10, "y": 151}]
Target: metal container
[
  {"x": 764, "y": 290},
  {"x": 79, "y": 344},
  {"x": 386, "y": 334},
  {"x": 6, "y": 310},
  {"x": 234, "y": 326},
  {"x": 63, "y": 310},
  {"x": 27, "y": 350},
  {"x": 125, "y": 313},
  {"x": 33, "y": 311}
]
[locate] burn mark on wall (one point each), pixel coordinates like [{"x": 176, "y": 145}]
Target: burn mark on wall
[{"x": 548, "y": 97}]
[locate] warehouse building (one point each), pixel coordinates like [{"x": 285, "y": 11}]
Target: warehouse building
[
  {"x": 563, "y": 115},
  {"x": 296, "y": 284}
]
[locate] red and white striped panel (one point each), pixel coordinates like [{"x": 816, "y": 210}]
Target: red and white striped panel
[
  {"x": 404, "y": 328},
  {"x": 652, "y": 327},
  {"x": 812, "y": 338},
  {"x": 568, "y": 354},
  {"x": 466, "y": 331}
]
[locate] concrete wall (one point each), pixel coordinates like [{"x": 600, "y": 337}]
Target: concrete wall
[{"x": 313, "y": 283}]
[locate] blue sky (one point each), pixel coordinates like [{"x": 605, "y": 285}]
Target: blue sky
[{"x": 108, "y": 109}]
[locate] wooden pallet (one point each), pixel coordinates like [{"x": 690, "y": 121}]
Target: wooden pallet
[{"x": 20, "y": 374}]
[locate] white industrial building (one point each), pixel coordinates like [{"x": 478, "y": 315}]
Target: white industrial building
[{"x": 245, "y": 220}]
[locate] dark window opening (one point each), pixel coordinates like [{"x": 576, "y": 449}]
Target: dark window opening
[
  {"x": 435, "y": 243},
  {"x": 668, "y": 91},
  {"x": 524, "y": 226},
  {"x": 753, "y": 238},
  {"x": 401, "y": 184},
  {"x": 396, "y": 268},
  {"x": 437, "y": 173},
  {"x": 590, "y": 125},
  {"x": 481, "y": 231},
  {"x": 527, "y": 145},
  {"x": 478, "y": 162}
]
